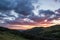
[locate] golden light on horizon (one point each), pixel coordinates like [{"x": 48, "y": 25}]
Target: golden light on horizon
[
  {"x": 30, "y": 26},
  {"x": 21, "y": 27}
]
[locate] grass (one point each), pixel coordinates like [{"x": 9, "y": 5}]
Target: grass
[{"x": 5, "y": 35}]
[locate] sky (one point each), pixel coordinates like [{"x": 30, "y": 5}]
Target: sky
[{"x": 27, "y": 14}]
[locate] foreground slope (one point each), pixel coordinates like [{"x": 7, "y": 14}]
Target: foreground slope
[
  {"x": 38, "y": 33},
  {"x": 6, "y": 34}
]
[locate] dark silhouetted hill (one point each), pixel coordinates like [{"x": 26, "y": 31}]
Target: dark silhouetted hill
[
  {"x": 37, "y": 33},
  {"x": 50, "y": 33},
  {"x": 6, "y": 34}
]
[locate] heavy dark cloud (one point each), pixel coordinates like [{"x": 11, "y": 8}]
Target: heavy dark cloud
[
  {"x": 24, "y": 7},
  {"x": 12, "y": 9},
  {"x": 43, "y": 15},
  {"x": 47, "y": 13},
  {"x": 17, "y": 9},
  {"x": 7, "y": 4}
]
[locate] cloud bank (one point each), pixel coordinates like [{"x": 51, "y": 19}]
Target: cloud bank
[{"x": 29, "y": 12}]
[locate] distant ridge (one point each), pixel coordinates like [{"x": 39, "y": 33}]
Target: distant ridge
[{"x": 41, "y": 33}]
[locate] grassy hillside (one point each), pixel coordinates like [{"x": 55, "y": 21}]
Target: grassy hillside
[
  {"x": 50, "y": 33},
  {"x": 6, "y": 34}
]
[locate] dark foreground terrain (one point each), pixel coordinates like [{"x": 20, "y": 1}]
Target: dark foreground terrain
[
  {"x": 50, "y": 33},
  {"x": 6, "y": 34}
]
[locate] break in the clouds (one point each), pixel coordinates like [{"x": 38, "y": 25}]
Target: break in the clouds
[{"x": 29, "y": 11}]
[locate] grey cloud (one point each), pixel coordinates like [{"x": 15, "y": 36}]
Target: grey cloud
[
  {"x": 24, "y": 7},
  {"x": 7, "y": 4},
  {"x": 48, "y": 14}
]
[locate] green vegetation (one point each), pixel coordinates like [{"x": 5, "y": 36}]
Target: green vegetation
[
  {"x": 6, "y": 34},
  {"x": 50, "y": 33}
]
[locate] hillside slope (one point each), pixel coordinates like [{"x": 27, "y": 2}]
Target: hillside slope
[
  {"x": 50, "y": 33},
  {"x": 38, "y": 33},
  {"x": 6, "y": 34}
]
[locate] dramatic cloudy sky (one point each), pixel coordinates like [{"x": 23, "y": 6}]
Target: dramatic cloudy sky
[{"x": 26, "y": 14}]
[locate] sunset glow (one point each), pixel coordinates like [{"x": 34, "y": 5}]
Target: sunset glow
[
  {"x": 25, "y": 27},
  {"x": 27, "y": 14}
]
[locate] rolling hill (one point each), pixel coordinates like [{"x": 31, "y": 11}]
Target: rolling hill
[
  {"x": 37, "y": 33},
  {"x": 6, "y": 34},
  {"x": 50, "y": 33}
]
